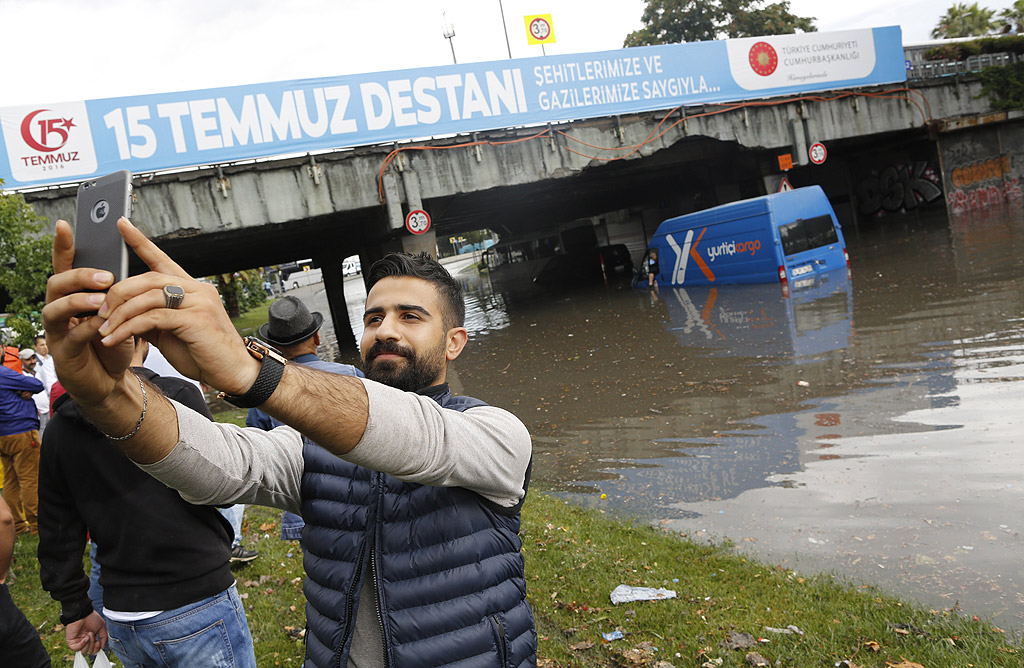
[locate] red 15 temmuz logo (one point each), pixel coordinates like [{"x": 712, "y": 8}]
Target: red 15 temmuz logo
[{"x": 45, "y": 134}]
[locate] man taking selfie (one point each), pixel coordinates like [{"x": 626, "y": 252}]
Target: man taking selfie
[{"x": 411, "y": 496}]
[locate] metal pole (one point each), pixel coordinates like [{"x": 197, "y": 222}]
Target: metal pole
[
  {"x": 448, "y": 31},
  {"x": 505, "y": 28}
]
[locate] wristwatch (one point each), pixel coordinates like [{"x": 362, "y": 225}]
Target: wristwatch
[{"x": 272, "y": 364}]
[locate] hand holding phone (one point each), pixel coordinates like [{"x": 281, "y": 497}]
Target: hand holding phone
[{"x": 101, "y": 202}]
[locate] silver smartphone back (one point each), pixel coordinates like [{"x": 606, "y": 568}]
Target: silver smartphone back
[{"x": 98, "y": 244}]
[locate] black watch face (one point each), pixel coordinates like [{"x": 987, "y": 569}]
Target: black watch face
[{"x": 255, "y": 344}]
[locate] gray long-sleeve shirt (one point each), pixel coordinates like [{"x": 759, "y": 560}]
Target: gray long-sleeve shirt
[{"x": 484, "y": 449}]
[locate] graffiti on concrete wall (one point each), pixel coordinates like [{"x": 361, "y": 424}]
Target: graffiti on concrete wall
[
  {"x": 983, "y": 185},
  {"x": 899, "y": 188}
]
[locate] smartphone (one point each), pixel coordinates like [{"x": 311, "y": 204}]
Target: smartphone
[{"x": 98, "y": 244}]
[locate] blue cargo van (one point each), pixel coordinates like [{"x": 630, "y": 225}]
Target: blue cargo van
[{"x": 783, "y": 237}]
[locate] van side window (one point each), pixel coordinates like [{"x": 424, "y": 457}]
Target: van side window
[{"x": 807, "y": 234}]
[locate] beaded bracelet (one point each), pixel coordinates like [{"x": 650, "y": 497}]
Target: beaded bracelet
[{"x": 145, "y": 404}]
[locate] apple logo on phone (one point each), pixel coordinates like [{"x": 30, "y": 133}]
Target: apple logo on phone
[{"x": 99, "y": 211}]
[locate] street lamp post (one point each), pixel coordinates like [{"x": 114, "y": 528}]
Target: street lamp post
[
  {"x": 505, "y": 28},
  {"x": 448, "y": 30}
]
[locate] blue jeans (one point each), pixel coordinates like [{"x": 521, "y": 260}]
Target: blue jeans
[
  {"x": 95, "y": 590},
  {"x": 291, "y": 526},
  {"x": 210, "y": 633},
  {"x": 233, "y": 514}
]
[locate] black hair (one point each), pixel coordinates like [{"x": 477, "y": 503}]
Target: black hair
[{"x": 424, "y": 267}]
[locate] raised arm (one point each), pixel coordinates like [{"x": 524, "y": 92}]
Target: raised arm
[
  {"x": 91, "y": 354},
  {"x": 198, "y": 338}
]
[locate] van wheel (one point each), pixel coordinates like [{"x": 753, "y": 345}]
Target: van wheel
[{"x": 295, "y": 286}]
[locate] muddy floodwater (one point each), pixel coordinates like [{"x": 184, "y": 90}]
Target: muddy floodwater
[{"x": 869, "y": 424}]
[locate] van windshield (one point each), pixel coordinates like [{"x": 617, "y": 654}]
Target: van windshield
[{"x": 804, "y": 235}]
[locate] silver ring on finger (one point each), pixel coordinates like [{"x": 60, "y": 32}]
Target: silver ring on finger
[{"x": 173, "y": 296}]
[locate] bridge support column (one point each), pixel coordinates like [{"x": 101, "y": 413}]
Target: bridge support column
[
  {"x": 798, "y": 134},
  {"x": 412, "y": 190},
  {"x": 393, "y": 201},
  {"x": 416, "y": 243},
  {"x": 420, "y": 243},
  {"x": 334, "y": 284},
  {"x": 409, "y": 243}
]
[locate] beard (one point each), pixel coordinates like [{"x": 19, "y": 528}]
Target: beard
[{"x": 414, "y": 373}]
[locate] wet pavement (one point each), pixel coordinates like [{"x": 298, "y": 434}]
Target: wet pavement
[{"x": 867, "y": 425}]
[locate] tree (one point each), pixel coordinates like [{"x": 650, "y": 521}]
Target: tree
[
  {"x": 671, "y": 21},
  {"x": 240, "y": 290},
  {"x": 963, "y": 20},
  {"x": 24, "y": 264},
  {"x": 1014, "y": 17},
  {"x": 775, "y": 19}
]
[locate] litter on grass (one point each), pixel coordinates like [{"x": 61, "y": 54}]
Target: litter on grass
[
  {"x": 614, "y": 635},
  {"x": 625, "y": 594},
  {"x": 789, "y": 630},
  {"x": 738, "y": 640},
  {"x": 756, "y": 660}
]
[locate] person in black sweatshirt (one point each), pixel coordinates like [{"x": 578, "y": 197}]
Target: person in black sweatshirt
[{"x": 161, "y": 557}]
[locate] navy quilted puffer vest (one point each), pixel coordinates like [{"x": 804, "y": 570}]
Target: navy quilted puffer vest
[{"x": 446, "y": 561}]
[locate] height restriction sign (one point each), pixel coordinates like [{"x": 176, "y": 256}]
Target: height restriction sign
[
  {"x": 418, "y": 221},
  {"x": 818, "y": 153},
  {"x": 539, "y": 29}
]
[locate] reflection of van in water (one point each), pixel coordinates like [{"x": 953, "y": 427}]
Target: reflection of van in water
[
  {"x": 752, "y": 320},
  {"x": 775, "y": 238}
]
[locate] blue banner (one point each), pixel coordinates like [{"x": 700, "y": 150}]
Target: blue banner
[{"x": 70, "y": 141}]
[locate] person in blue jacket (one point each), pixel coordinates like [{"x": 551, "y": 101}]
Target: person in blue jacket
[{"x": 19, "y": 447}]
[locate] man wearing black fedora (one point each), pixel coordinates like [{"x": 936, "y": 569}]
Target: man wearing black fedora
[{"x": 294, "y": 331}]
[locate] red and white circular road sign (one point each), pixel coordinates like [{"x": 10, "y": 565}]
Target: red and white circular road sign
[
  {"x": 540, "y": 29},
  {"x": 818, "y": 153},
  {"x": 418, "y": 221}
]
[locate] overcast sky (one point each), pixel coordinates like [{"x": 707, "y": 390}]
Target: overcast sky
[{"x": 59, "y": 50}]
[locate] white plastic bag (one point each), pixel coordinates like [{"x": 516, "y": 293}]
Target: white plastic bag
[
  {"x": 101, "y": 661},
  {"x": 625, "y": 594}
]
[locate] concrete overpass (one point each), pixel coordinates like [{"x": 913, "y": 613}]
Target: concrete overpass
[{"x": 520, "y": 180}]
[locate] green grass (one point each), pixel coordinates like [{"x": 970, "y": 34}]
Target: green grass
[
  {"x": 575, "y": 557},
  {"x": 248, "y": 322}
]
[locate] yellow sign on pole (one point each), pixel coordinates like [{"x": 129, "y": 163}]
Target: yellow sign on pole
[{"x": 539, "y": 29}]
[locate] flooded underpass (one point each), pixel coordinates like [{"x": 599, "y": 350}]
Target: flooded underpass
[{"x": 867, "y": 424}]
